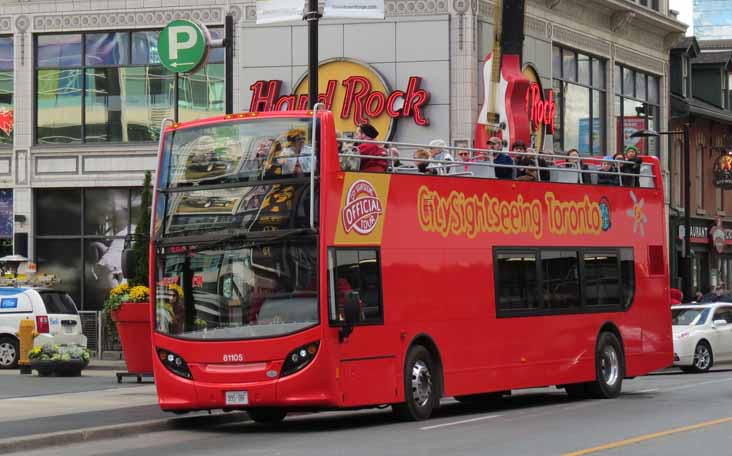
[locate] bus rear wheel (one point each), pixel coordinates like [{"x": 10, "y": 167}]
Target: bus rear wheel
[
  {"x": 267, "y": 415},
  {"x": 421, "y": 386},
  {"x": 609, "y": 371}
]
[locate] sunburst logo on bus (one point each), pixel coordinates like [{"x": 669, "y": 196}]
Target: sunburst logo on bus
[
  {"x": 363, "y": 208},
  {"x": 637, "y": 214}
]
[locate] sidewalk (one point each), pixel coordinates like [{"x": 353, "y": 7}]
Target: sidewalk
[{"x": 37, "y": 412}]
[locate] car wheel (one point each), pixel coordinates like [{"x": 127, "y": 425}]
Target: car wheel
[
  {"x": 267, "y": 415},
  {"x": 703, "y": 358},
  {"x": 9, "y": 352},
  {"x": 421, "y": 386}
]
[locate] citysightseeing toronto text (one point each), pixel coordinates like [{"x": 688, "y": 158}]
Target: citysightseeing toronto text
[{"x": 458, "y": 215}]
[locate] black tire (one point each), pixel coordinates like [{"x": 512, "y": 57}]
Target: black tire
[
  {"x": 9, "y": 352},
  {"x": 267, "y": 415},
  {"x": 609, "y": 367},
  {"x": 421, "y": 386},
  {"x": 703, "y": 358}
]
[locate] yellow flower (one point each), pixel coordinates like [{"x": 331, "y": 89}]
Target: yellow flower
[
  {"x": 120, "y": 289},
  {"x": 139, "y": 293}
]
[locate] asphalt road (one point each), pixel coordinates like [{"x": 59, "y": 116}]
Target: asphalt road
[
  {"x": 662, "y": 414},
  {"x": 14, "y": 385}
]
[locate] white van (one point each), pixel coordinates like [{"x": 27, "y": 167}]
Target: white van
[{"x": 53, "y": 312}]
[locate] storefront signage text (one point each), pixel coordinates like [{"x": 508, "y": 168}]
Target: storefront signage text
[
  {"x": 540, "y": 111},
  {"x": 360, "y": 101}
]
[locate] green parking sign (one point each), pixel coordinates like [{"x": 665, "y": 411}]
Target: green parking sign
[{"x": 183, "y": 45}]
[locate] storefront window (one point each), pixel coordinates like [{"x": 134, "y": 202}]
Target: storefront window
[
  {"x": 579, "y": 91},
  {"x": 111, "y": 87},
  {"x": 7, "y": 118},
  {"x": 85, "y": 251},
  {"x": 636, "y": 108}
]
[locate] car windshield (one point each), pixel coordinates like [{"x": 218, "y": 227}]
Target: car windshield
[
  {"x": 689, "y": 317},
  {"x": 240, "y": 290}
]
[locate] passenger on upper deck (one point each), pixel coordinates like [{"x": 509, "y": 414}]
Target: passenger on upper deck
[
  {"x": 500, "y": 158},
  {"x": 533, "y": 159},
  {"x": 423, "y": 166},
  {"x": 369, "y": 151},
  {"x": 631, "y": 155},
  {"x": 296, "y": 159},
  {"x": 608, "y": 168},
  {"x": 437, "y": 152},
  {"x": 574, "y": 162}
]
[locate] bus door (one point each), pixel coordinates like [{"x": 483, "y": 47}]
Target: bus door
[{"x": 366, "y": 360}]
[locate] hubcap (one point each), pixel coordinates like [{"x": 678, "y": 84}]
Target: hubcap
[
  {"x": 702, "y": 357},
  {"x": 421, "y": 383},
  {"x": 7, "y": 354},
  {"x": 609, "y": 365}
]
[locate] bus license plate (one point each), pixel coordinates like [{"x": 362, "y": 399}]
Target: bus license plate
[{"x": 237, "y": 398}]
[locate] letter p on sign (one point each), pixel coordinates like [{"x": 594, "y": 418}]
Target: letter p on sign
[
  {"x": 180, "y": 37},
  {"x": 183, "y": 46}
]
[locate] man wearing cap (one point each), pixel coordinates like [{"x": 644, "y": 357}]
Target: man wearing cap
[
  {"x": 369, "y": 151},
  {"x": 438, "y": 152},
  {"x": 502, "y": 172}
]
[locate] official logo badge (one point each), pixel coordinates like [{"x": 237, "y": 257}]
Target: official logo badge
[{"x": 362, "y": 208}]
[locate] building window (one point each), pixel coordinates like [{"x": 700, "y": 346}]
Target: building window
[
  {"x": 699, "y": 178},
  {"x": 684, "y": 75},
  {"x": 652, "y": 4},
  {"x": 725, "y": 89},
  {"x": 678, "y": 172},
  {"x": 636, "y": 108},
  {"x": 7, "y": 111},
  {"x": 579, "y": 90},
  {"x": 111, "y": 87},
  {"x": 85, "y": 250}
]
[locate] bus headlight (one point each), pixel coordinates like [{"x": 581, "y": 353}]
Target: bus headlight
[
  {"x": 174, "y": 363},
  {"x": 299, "y": 358}
]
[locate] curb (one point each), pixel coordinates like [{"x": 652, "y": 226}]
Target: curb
[{"x": 70, "y": 437}]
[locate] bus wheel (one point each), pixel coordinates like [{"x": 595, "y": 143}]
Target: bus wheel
[
  {"x": 267, "y": 415},
  {"x": 421, "y": 386},
  {"x": 609, "y": 367}
]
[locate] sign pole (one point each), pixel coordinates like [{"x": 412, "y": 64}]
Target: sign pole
[{"x": 312, "y": 16}]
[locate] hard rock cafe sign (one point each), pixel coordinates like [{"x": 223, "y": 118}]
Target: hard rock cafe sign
[
  {"x": 723, "y": 171},
  {"x": 540, "y": 108},
  {"x": 355, "y": 92}
]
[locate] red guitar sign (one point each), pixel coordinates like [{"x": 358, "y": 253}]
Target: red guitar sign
[
  {"x": 7, "y": 119},
  {"x": 503, "y": 112}
]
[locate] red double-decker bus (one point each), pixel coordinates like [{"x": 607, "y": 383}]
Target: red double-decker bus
[{"x": 284, "y": 283}]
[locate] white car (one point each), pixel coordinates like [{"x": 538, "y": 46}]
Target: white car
[
  {"x": 702, "y": 335},
  {"x": 53, "y": 312}
]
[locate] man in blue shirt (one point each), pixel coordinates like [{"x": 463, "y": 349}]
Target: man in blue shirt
[{"x": 500, "y": 158}]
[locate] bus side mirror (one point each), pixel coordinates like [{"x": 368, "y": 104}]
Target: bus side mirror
[{"x": 352, "y": 312}]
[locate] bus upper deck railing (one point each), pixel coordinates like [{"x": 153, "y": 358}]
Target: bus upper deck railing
[{"x": 566, "y": 169}]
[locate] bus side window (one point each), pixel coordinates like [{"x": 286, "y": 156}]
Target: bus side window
[{"x": 356, "y": 270}]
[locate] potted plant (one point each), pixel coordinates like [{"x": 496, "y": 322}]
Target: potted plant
[
  {"x": 65, "y": 360},
  {"x": 129, "y": 308}
]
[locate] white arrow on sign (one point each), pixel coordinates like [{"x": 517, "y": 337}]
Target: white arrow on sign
[{"x": 177, "y": 64}]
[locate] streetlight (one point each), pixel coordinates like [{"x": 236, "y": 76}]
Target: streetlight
[{"x": 687, "y": 198}]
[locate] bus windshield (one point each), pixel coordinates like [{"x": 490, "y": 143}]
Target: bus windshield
[{"x": 237, "y": 290}]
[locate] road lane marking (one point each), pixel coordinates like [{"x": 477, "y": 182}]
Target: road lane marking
[
  {"x": 646, "y": 437},
  {"x": 692, "y": 385},
  {"x": 650, "y": 390},
  {"x": 455, "y": 423}
]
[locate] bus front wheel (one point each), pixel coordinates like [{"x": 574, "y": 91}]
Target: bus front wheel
[
  {"x": 421, "y": 386},
  {"x": 267, "y": 415}
]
